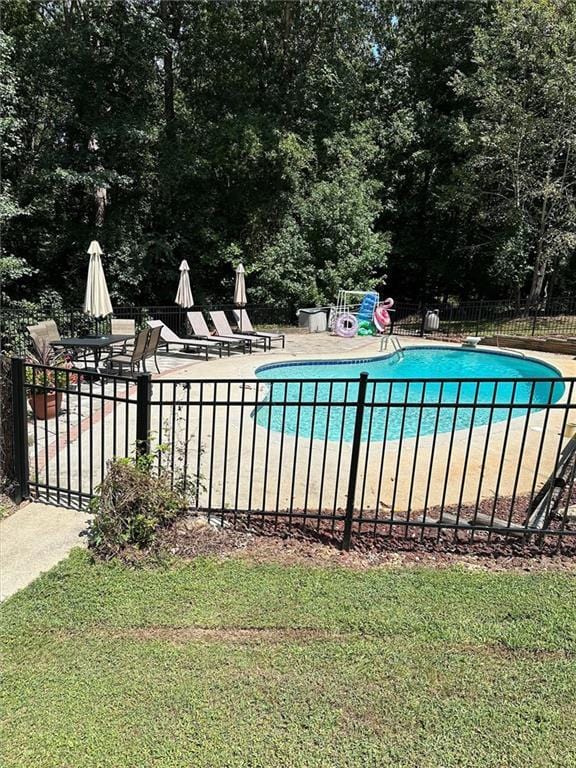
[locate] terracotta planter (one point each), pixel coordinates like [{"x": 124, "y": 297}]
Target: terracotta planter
[{"x": 45, "y": 405}]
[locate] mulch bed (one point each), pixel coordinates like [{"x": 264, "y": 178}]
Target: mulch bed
[
  {"x": 291, "y": 540},
  {"x": 264, "y": 541}
]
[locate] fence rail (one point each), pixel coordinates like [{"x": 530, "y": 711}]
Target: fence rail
[
  {"x": 552, "y": 318},
  {"x": 478, "y": 461},
  {"x": 484, "y": 318},
  {"x": 73, "y": 322}
]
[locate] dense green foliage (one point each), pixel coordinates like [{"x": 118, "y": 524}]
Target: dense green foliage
[
  {"x": 222, "y": 664},
  {"x": 325, "y": 144}
]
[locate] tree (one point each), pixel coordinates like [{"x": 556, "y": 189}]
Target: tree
[
  {"x": 419, "y": 47},
  {"x": 316, "y": 141},
  {"x": 523, "y": 164},
  {"x": 86, "y": 82},
  {"x": 326, "y": 239}
]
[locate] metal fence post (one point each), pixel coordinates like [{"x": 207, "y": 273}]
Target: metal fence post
[
  {"x": 354, "y": 461},
  {"x": 534, "y": 320},
  {"x": 479, "y": 317},
  {"x": 20, "y": 427},
  {"x": 143, "y": 411}
]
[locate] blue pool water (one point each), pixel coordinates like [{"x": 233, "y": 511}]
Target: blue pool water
[{"x": 402, "y": 393}]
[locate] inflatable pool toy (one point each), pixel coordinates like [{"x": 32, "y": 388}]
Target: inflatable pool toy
[
  {"x": 346, "y": 325},
  {"x": 370, "y": 319},
  {"x": 367, "y": 307},
  {"x": 366, "y": 328},
  {"x": 381, "y": 315}
]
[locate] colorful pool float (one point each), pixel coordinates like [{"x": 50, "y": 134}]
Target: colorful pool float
[
  {"x": 381, "y": 315},
  {"x": 346, "y": 325}
]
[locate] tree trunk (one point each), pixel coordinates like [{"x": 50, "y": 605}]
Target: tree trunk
[
  {"x": 541, "y": 260},
  {"x": 169, "y": 19},
  {"x": 101, "y": 201},
  {"x": 537, "y": 284}
]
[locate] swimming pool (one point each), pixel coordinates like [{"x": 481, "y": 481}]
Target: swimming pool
[{"x": 404, "y": 393}]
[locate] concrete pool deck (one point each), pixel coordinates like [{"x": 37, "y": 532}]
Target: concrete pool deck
[{"x": 318, "y": 346}]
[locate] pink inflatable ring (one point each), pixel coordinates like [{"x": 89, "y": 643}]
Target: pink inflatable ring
[
  {"x": 346, "y": 325},
  {"x": 381, "y": 316}
]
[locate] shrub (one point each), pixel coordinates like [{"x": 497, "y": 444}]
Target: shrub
[
  {"x": 56, "y": 371},
  {"x": 131, "y": 505}
]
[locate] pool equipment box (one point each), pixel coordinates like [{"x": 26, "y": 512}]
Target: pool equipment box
[{"x": 315, "y": 319}]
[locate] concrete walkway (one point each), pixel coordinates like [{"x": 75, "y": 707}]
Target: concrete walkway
[{"x": 33, "y": 540}]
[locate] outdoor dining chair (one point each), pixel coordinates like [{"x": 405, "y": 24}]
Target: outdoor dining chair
[
  {"x": 246, "y": 327},
  {"x": 120, "y": 326},
  {"x": 169, "y": 337},
  {"x": 223, "y": 329},
  {"x": 134, "y": 359},
  {"x": 39, "y": 336},
  {"x": 152, "y": 344},
  {"x": 51, "y": 330},
  {"x": 43, "y": 333}
]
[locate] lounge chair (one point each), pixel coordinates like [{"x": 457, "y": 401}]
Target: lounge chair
[
  {"x": 201, "y": 331},
  {"x": 246, "y": 327},
  {"x": 223, "y": 328},
  {"x": 169, "y": 337},
  {"x": 136, "y": 357}
]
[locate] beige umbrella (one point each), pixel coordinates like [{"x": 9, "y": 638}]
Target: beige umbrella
[
  {"x": 97, "y": 300},
  {"x": 184, "y": 294},
  {"x": 240, "y": 298}
]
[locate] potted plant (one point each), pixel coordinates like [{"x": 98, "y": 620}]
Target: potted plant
[{"x": 46, "y": 372}]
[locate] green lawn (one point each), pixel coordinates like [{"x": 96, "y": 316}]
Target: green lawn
[{"x": 227, "y": 663}]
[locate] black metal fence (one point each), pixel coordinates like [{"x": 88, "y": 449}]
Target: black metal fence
[
  {"x": 475, "y": 462},
  {"x": 73, "y": 322},
  {"x": 479, "y": 318},
  {"x": 556, "y": 317}
]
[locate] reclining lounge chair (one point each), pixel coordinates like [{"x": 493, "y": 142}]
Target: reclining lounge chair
[
  {"x": 223, "y": 329},
  {"x": 169, "y": 337},
  {"x": 246, "y": 327},
  {"x": 201, "y": 331}
]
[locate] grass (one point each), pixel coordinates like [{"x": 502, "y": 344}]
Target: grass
[{"x": 219, "y": 664}]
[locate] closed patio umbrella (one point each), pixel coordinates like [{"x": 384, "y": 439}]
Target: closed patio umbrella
[
  {"x": 184, "y": 294},
  {"x": 240, "y": 298},
  {"x": 97, "y": 300}
]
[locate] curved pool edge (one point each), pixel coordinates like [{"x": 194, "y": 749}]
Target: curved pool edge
[
  {"x": 512, "y": 369},
  {"x": 375, "y": 358}
]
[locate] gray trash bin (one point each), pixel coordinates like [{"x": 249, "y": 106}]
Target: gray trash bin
[
  {"x": 432, "y": 320},
  {"x": 315, "y": 319}
]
